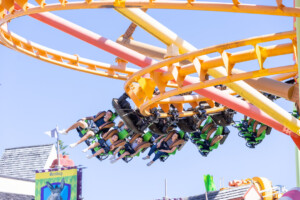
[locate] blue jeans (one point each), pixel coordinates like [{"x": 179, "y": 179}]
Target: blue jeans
[
  {"x": 158, "y": 154},
  {"x": 152, "y": 150}
]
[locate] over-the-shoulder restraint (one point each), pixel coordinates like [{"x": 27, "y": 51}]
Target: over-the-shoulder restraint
[
  {"x": 99, "y": 116},
  {"x": 106, "y": 125},
  {"x": 110, "y": 134}
]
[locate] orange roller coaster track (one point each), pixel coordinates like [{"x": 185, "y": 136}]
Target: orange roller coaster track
[{"x": 182, "y": 59}]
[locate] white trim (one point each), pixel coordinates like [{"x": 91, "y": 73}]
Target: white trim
[
  {"x": 52, "y": 156},
  {"x": 11, "y": 185}
]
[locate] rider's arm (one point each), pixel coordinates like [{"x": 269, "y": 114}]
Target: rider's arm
[
  {"x": 91, "y": 117},
  {"x": 88, "y": 118},
  {"x": 169, "y": 151},
  {"x": 112, "y": 147},
  {"x": 134, "y": 154},
  {"x": 159, "y": 143},
  {"x": 105, "y": 134},
  {"x": 159, "y": 138}
]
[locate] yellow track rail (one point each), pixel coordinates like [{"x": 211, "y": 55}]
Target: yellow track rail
[
  {"x": 74, "y": 62},
  {"x": 235, "y": 6}
]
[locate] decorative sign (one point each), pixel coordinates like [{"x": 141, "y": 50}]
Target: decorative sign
[{"x": 56, "y": 185}]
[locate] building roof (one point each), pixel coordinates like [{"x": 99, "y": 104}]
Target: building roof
[
  {"x": 11, "y": 196},
  {"x": 20, "y": 179},
  {"x": 21, "y": 162},
  {"x": 232, "y": 193}
]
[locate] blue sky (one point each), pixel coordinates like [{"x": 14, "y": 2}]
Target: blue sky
[{"x": 35, "y": 96}]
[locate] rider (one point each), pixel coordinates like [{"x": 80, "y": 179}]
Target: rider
[
  {"x": 96, "y": 144},
  {"x": 106, "y": 146},
  {"x": 130, "y": 149},
  {"x": 163, "y": 147},
  {"x": 92, "y": 123}
]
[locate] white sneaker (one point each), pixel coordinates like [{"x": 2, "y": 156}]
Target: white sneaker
[
  {"x": 85, "y": 150},
  {"x": 73, "y": 145},
  {"x": 149, "y": 164},
  {"x": 89, "y": 156},
  {"x": 147, "y": 157},
  {"x": 63, "y": 132}
]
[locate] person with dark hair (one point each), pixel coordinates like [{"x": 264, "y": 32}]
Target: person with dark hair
[
  {"x": 106, "y": 146},
  {"x": 130, "y": 149},
  {"x": 164, "y": 147},
  {"x": 93, "y": 124}
]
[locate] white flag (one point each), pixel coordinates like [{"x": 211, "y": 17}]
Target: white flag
[{"x": 53, "y": 133}]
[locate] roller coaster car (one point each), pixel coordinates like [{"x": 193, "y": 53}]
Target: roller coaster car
[
  {"x": 225, "y": 134},
  {"x": 160, "y": 127},
  {"x": 249, "y": 130},
  {"x": 197, "y": 135},
  {"x": 102, "y": 129},
  {"x": 183, "y": 138},
  {"x": 163, "y": 126},
  {"x": 154, "y": 118},
  {"x": 140, "y": 148},
  {"x": 121, "y": 142},
  {"x": 243, "y": 127},
  {"x": 192, "y": 124},
  {"x": 132, "y": 118},
  {"x": 223, "y": 118},
  {"x": 206, "y": 146},
  {"x": 256, "y": 135},
  {"x": 187, "y": 124},
  {"x": 205, "y": 142}
]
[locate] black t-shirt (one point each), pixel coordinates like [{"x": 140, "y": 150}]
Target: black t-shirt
[
  {"x": 100, "y": 122},
  {"x": 165, "y": 146}
]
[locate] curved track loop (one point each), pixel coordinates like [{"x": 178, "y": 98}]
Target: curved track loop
[
  {"x": 75, "y": 62},
  {"x": 8, "y": 6},
  {"x": 62, "y": 59},
  {"x": 235, "y": 6},
  {"x": 178, "y": 73}
]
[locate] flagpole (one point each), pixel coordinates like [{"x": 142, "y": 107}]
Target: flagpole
[
  {"x": 166, "y": 189},
  {"x": 57, "y": 144}
]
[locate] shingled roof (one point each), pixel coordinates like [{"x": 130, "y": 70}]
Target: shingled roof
[
  {"x": 232, "y": 193},
  {"x": 10, "y": 196},
  {"x": 21, "y": 162}
]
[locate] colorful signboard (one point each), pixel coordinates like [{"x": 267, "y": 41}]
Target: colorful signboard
[{"x": 59, "y": 184}]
